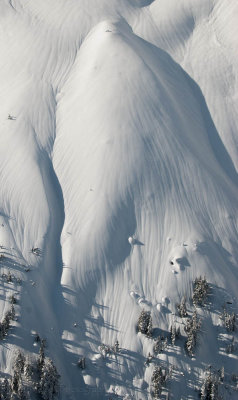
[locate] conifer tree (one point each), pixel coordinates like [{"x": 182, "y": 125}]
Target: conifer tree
[
  {"x": 209, "y": 389},
  {"x": 49, "y": 382},
  {"x": 6, "y": 390},
  {"x": 41, "y": 358},
  {"x": 191, "y": 328},
  {"x": 116, "y": 347},
  {"x": 28, "y": 369},
  {"x": 200, "y": 291},
  {"x": 160, "y": 344},
  {"x": 19, "y": 363},
  {"x": 182, "y": 309},
  {"x": 144, "y": 324},
  {"x": 157, "y": 381}
]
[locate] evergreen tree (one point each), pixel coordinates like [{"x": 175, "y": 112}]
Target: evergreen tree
[
  {"x": 5, "y": 390},
  {"x": 12, "y": 311},
  {"x": 19, "y": 363},
  {"x": 9, "y": 277},
  {"x": 81, "y": 363},
  {"x": 144, "y": 324},
  {"x": 15, "y": 382},
  {"x": 49, "y": 382},
  {"x": 182, "y": 309},
  {"x": 160, "y": 344},
  {"x": 174, "y": 333},
  {"x": 12, "y": 299},
  {"x": 191, "y": 328},
  {"x": 116, "y": 347},
  {"x": 200, "y": 291},
  {"x": 22, "y": 394},
  {"x": 28, "y": 369},
  {"x": 41, "y": 358},
  {"x": 229, "y": 320},
  {"x": 209, "y": 389},
  {"x": 157, "y": 381},
  {"x": 2, "y": 331},
  {"x": 149, "y": 359}
]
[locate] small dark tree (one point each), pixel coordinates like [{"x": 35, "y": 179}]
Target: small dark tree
[
  {"x": 182, "y": 309},
  {"x": 13, "y": 313},
  {"x": 209, "y": 389},
  {"x": 22, "y": 394},
  {"x": 41, "y": 359},
  {"x": 191, "y": 328},
  {"x": 229, "y": 320},
  {"x": 160, "y": 344},
  {"x": 231, "y": 346},
  {"x": 200, "y": 291},
  {"x": 28, "y": 369},
  {"x": 18, "y": 368},
  {"x": 5, "y": 389},
  {"x": 144, "y": 324},
  {"x": 105, "y": 350},
  {"x": 5, "y": 324},
  {"x": 81, "y": 363},
  {"x": 116, "y": 348},
  {"x": 19, "y": 363},
  {"x": 149, "y": 359},
  {"x": 158, "y": 380},
  {"x": 13, "y": 299},
  {"x": 9, "y": 277},
  {"x": 15, "y": 382},
  {"x": 174, "y": 333}
]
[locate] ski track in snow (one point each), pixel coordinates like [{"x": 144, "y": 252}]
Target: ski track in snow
[{"x": 125, "y": 124}]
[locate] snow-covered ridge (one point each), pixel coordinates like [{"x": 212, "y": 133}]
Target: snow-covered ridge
[{"x": 123, "y": 127}]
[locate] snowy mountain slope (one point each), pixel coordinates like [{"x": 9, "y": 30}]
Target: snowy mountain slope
[
  {"x": 113, "y": 139},
  {"x": 202, "y": 37}
]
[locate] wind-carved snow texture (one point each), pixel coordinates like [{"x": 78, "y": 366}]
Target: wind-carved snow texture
[{"x": 119, "y": 164}]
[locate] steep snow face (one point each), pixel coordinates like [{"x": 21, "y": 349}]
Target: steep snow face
[
  {"x": 202, "y": 37},
  {"x": 113, "y": 167}
]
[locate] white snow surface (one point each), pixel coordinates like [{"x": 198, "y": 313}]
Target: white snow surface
[{"x": 122, "y": 158}]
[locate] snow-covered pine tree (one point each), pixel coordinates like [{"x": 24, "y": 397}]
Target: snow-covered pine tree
[
  {"x": 157, "y": 381},
  {"x": 2, "y": 331},
  {"x": 6, "y": 323},
  {"x": 19, "y": 363},
  {"x": 149, "y": 359},
  {"x": 200, "y": 291},
  {"x": 160, "y": 344},
  {"x": 28, "y": 369},
  {"x": 5, "y": 389},
  {"x": 18, "y": 368},
  {"x": 21, "y": 393},
  {"x": 229, "y": 320},
  {"x": 104, "y": 350},
  {"x": 191, "y": 328},
  {"x": 174, "y": 333},
  {"x": 182, "y": 309},
  {"x": 144, "y": 324},
  {"x": 230, "y": 348},
  {"x": 12, "y": 311},
  {"x": 41, "y": 358},
  {"x": 116, "y": 347},
  {"x": 9, "y": 277},
  {"x": 209, "y": 389},
  {"x": 222, "y": 374},
  {"x": 49, "y": 382},
  {"x": 15, "y": 382}
]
